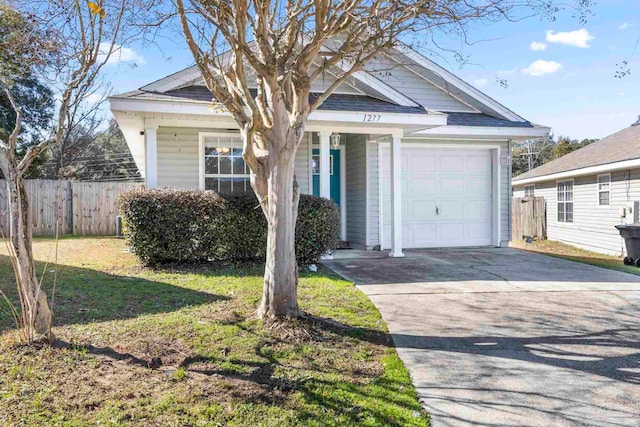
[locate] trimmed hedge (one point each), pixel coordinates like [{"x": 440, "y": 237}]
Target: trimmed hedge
[{"x": 168, "y": 226}]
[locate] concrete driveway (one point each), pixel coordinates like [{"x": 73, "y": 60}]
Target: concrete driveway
[{"x": 502, "y": 337}]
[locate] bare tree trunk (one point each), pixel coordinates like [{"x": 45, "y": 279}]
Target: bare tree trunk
[
  {"x": 280, "y": 292},
  {"x": 37, "y": 316}
]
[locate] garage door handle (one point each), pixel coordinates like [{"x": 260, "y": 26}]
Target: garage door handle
[{"x": 437, "y": 210}]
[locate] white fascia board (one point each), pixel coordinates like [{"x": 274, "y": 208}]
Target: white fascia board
[
  {"x": 459, "y": 83},
  {"x": 486, "y": 132},
  {"x": 368, "y": 119},
  {"x": 384, "y": 89},
  {"x": 591, "y": 170},
  {"x": 174, "y": 80}
]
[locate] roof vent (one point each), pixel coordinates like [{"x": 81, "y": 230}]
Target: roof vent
[{"x": 637, "y": 122}]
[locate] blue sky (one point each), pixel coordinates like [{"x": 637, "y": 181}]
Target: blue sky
[{"x": 565, "y": 80}]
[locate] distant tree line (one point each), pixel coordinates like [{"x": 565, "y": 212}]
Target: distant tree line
[
  {"x": 527, "y": 155},
  {"x": 92, "y": 148}
]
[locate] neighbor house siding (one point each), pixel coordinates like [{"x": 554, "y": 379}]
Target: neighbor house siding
[
  {"x": 178, "y": 163},
  {"x": 356, "y": 180},
  {"x": 593, "y": 226},
  {"x": 374, "y": 185}
]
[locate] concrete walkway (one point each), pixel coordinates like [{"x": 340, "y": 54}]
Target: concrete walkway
[{"x": 501, "y": 337}]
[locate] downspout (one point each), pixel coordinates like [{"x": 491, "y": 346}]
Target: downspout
[{"x": 510, "y": 190}]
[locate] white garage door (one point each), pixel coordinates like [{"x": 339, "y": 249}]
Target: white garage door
[{"x": 446, "y": 197}]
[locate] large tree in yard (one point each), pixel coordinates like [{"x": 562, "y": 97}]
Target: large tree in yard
[
  {"x": 65, "y": 44},
  {"x": 258, "y": 58}
]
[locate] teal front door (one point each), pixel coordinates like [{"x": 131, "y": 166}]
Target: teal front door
[{"x": 334, "y": 174}]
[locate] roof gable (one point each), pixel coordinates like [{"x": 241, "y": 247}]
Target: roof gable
[{"x": 407, "y": 79}]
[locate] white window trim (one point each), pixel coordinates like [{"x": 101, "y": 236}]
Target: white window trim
[
  {"x": 598, "y": 191},
  {"x": 202, "y": 136},
  {"x": 529, "y": 186},
  {"x": 573, "y": 212}
]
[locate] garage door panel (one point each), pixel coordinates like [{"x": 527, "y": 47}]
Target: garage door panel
[
  {"x": 449, "y": 233},
  {"x": 478, "y": 231},
  {"x": 422, "y": 235},
  {"x": 450, "y": 163},
  {"x": 451, "y": 210},
  {"x": 477, "y": 210},
  {"x": 420, "y": 185},
  {"x": 421, "y": 210},
  {"x": 478, "y": 163},
  {"x": 421, "y": 160},
  {"x": 456, "y": 181},
  {"x": 478, "y": 186},
  {"x": 451, "y": 186}
]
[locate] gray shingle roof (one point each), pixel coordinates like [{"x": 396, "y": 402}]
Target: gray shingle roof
[
  {"x": 479, "y": 119},
  {"x": 335, "y": 102},
  {"x": 621, "y": 146}
]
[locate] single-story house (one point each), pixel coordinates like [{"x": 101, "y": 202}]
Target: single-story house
[
  {"x": 589, "y": 191},
  {"x": 451, "y": 143}
]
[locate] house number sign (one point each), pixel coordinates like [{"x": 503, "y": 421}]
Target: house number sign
[{"x": 371, "y": 118}]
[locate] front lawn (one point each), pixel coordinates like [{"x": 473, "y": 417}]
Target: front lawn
[
  {"x": 562, "y": 250},
  {"x": 182, "y": 347}
]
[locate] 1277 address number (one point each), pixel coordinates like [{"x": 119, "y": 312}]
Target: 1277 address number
[{"x": 371, "y": 118}]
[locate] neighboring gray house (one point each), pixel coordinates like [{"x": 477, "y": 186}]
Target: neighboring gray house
[
  {"x": 589, "y": 191},
  {"x": 452, "y": 143}
]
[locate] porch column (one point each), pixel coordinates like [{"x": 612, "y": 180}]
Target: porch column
[
  {"x": 396, "y": 196},
  {"x": 325, "y": 182},
  {"x": 151, "y": 156}
]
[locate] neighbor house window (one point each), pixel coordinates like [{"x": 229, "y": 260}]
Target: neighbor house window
[
  {"x": 224, "y": 168},
  {"x": 604, "y": 190},
  {"x": 565, "y": 201},
  {"x": 529, "y": 190}
]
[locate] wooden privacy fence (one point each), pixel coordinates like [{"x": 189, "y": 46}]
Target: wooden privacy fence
[
  {"x": 79, "y": 208},
  {"x": 528, "y": 218}
]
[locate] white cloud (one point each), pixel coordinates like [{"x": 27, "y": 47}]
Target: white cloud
[
  {"x": 578, "y": 38},
  {"x": 625, "y": 26},
  {"x": 503, "y": 73},
  {"x": 538, "y": 46},
  {"x": 480, "y": 82},
  {"x": 541, "y": 68},
  {"x": 120, "y": 54}
]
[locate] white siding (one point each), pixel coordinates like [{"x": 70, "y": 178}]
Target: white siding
[
  {"x": 505, "y": 191},
  {"x": 408, "y": 80},
  {"x": 178, "y": 164},
  {"x": 303, "y": 165},
  {"x": 356, "y": 155},
  {"x": 594, "y": 226}
]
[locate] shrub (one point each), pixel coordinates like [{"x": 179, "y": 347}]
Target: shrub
[{"x": 167, "y": 226}]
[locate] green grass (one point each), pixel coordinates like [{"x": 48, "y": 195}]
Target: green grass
[
  {"x": 562, "y": 250},
  {"x": 182, "y": 347}
]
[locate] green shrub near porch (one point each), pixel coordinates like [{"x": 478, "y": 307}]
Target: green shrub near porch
[{"x": 169, "y": 226}]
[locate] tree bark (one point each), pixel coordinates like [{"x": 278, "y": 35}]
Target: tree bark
[
  {"x": 280, "y": 291},
  {"x": 37, "y": 316}
]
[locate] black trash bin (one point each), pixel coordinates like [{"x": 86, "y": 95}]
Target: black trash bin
[{"x": 631, "y": 235}]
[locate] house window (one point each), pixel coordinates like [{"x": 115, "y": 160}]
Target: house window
[
  {"x": 224, "y": 168},
  {"x": 604, "y": 190},
  {"x": 315, "y": 164},
  {"x": 529, "y": 190},
  {"x": 565, "y": 201}
]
